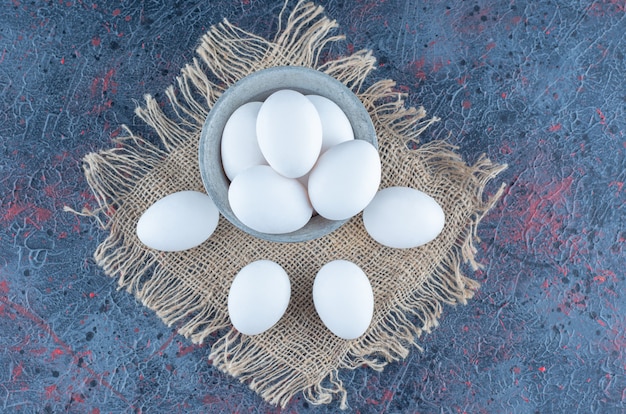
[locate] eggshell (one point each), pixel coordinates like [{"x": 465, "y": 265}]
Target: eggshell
[
  {"x": 345, "y": 179},
  {"x": 336, "y": 127},
  {"x": 289, "y": 131},
  {"x": 258, "y": 297},
  {"x": 343, "y": 298},
  {"x": 267, "y": 202},
  {"x": 403, "y": 217},
  {"x": 179, "y": 221},
  {"x": 239, "y": 146}
]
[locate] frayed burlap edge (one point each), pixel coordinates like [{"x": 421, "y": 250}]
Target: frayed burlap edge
[{"x": 229, "y": 54}]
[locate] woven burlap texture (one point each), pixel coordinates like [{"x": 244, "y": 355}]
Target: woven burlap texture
[{"x": 189, "y": 289}]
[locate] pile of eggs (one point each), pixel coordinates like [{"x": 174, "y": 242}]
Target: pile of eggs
[
  {"x": 288, "y": 158},
  {"x": 293, "y": 155}
]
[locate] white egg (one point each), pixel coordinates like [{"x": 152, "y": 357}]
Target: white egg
[
  {"x": 258, "y": 297},
  {"x": 345, "y": 179},
  {"x": 403, "y": 217},
  {"x": 267, "y": 202},
  {"x": 343, "y": 298},
  {"x": 336, "y": 127},
  {"x": 178, "y": 221},
  {"x": 289, "y": 131},
  {"x": 239, "y": 146}
]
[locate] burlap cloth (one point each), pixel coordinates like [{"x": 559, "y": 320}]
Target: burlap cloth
[{"x": 189, "y": 289}]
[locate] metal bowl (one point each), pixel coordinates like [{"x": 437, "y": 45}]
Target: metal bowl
[{"x": 257, "y": 87}]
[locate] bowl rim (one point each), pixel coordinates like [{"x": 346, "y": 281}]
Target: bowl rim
[{"x": 257, "y": 87}]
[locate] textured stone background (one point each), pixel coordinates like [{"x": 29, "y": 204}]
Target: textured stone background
[{"x": 537, "y": 85}]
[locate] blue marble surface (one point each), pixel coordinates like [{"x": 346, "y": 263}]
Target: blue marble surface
[{"x": 536, "y": 85}]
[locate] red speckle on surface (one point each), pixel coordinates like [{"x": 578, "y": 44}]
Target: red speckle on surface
[
  {"x": 38, "y": 351},
  {"x": 601, "y": 9},
  {"x": 164, "y": 346},
  {"x": 210, "y": 399},
  {"x": 554, "y": 128},
  {"x": 94, "y": 86},
  {"x": 387, "y": 396},
  {"x": 604, "y": 274},
  {"x": 59, "y": 158},
  {"x": 36, "y": 215},
  {"x": 17, "y": 372},
  {"x": 13, "y": 211},
  {"x": 577, "y": 247},
  {"x": 104, "y": 84},
  {"x": 372, "y": 401},
  {"x": 50, "y": 391},
  {"x": 95, "y": 41},
  {"x": 53, "y": 192},
  {"x": 602, "y": 117},
  {"x": 418, "y": 67},
  {"x": 56, "y": 353},
  {"x": 438, "y": 64},
  {"x": 558, "y": 192},
  {"x": 117, "y": 131},
  {"x": 78, "y": 398},
  {"x": 5, "y": 314},
  {"x": 599, "y": 279},
  {"x": 541, "y": 369},
  {"x": 184, "y": 350},
  {"x": 562, "y": 270},
  {"x": 4, "y": 287},
  {"x": 490, "y": 46},
  {"x": 466, "y": 104},
  {"x": 108, "y": 83},
  {"x": 619, "y": 185},
  {"x": 42, "y": 214},
  {"x": 116, "y": 12},
  {"x": 540, "y": 212}
]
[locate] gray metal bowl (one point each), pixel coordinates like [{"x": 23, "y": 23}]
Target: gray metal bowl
[{"x": 257, "y": 87}]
